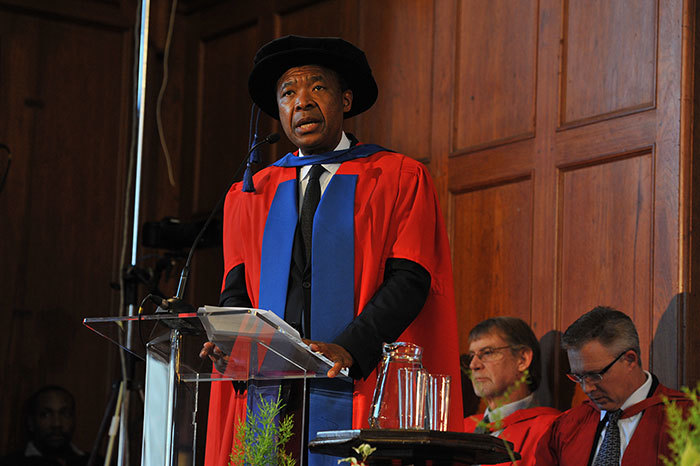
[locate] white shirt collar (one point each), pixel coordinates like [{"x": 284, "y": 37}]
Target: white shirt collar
[
  {"x": 506, "y": 410},
  {"x": 32, "y": 450},
  {"x": 343, "y": 144},
  {"x": 331, "y": 168},
  {"x": 638, "y": 395}
]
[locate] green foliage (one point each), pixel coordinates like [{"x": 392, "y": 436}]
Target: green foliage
[
  {"x": 363, "y": 450},
  {"x": 684, "y": 431},
  {"x": 260, "y": 441}
]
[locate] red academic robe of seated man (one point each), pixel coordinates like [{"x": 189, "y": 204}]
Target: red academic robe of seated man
[
  {"x": 569, "y": 440},
  {"x": 524, "y": 428}
]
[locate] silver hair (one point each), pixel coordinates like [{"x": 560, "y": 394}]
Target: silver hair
[{"x": 612, "y": 328}]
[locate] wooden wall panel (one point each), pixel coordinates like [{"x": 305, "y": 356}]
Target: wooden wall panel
[
  {"x": 609, "y": 58},
  {"x": 110, "y": 13},
  {"x": 166, "y": 199},
  {"x": 319, "y": 19},
  {"x": 225, "y": 62},
  {"x": 64, "y": 96},
  {"x": 17, "y": 48},
  {"x": 672, "y": 276},
  {"x": 689, "y": 341},
  {"x": 494, "y": 98},
  {"x": 492, "y": 234},
  {"x": 397, "y": 37},
  {"x": 223, "y": 114},
  {"x": 609, "y": 189},
  {"x": 605, "y": 240}
]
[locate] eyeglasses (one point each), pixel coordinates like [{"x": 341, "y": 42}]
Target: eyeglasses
[
  {"x": 593, "y": 377},
  {"x": 487, "y": 354}
]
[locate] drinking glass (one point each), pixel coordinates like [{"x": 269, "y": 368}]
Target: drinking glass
[
  {"x": 438, "y": 401},
  {"x": 412, "y": 396}
]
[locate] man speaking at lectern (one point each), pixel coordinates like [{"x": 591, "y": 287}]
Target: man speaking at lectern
[{"x": 344, "y": 240}]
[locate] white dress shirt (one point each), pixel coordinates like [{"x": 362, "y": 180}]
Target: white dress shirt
[
  {"x": 32, "y": 451},
  {"x": 325, "y": 178},
  {"x": 628, "y": 424},
  {"x": 506, "y": 410}
]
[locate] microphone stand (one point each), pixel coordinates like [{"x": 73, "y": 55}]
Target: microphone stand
[
  {"x": 179, "y": 326},
  {"x": 176, "y": 303}
]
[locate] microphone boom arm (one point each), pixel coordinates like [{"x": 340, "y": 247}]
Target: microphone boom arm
[{"x": 184, "y": 275}]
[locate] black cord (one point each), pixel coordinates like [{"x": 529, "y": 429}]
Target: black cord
[{"x": 7, "y": 169}]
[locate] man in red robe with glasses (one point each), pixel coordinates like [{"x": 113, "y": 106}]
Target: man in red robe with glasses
[
  {"x": 623, "y": 422},
  {"x": 505, "y": 370}
]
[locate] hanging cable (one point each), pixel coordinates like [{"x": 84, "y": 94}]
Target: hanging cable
[
  {"x": 161, "y": 93},
  {"x": 114, "y": 426}
]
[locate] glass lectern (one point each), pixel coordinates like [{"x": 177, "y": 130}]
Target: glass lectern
[{"x": 260, "y": 347}]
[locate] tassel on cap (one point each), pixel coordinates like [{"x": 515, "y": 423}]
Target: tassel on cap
[{"x": 248, "y": 186}]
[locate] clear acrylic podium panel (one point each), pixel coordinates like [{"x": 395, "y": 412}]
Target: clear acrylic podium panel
[
  {"x": 260, "y": 348},
  {"x": 260, "y": 345}
]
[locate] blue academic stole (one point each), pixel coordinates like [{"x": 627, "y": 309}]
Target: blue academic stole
[{"x": 332, "y": 277}]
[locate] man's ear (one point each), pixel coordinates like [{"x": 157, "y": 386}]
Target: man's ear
[
  {"x": 524, "y": 358},
  {"x": 632, "y": 357},
  {"x": 347, "y": 100}
]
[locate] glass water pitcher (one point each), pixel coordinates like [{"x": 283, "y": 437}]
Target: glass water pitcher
[{"x": 384, "y": 411}]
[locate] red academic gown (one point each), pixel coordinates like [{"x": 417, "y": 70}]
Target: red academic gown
[
  {"x": 569, "y": 440},
  {"x": 397, "y": 215},
  {"x": 524, "y": 428}
]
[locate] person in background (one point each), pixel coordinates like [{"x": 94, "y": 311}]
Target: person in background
[
  {"x": 623, "y": 420},
  {"x": 50, "y": 423},
  {"x": 505, "y": 368}
]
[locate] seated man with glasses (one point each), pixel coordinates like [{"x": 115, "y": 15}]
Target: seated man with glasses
[
  {"x": 623, "y": 421},
  {"x": 505, "y": 369}
]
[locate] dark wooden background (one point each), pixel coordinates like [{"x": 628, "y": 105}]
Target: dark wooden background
[{"x": 560, "y": 136}]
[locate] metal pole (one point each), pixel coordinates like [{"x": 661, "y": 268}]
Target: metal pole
[
  {"x": 140, "y": 112},
  {"x": 140, "y": 109},
  {"x": 173, "y": 370}
]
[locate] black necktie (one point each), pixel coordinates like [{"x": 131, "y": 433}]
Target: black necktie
[
  {"x": 609, "y": 454},
  {"x": 312, "y": 196}
]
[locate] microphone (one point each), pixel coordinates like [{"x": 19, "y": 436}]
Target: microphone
[
  {"x": 175, "y": 303},
  {"x": 248, "y": 186},
  {"x": 271, "y": 139},
  {"x": 170, "y": 304}
]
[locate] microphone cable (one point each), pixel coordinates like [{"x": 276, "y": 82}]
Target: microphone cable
[{"x": 7, "y": 168}]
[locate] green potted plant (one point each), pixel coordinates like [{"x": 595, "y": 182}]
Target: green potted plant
[
  {"x": 684, "y": 431},
  {"x": 260, "y": 440}
]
